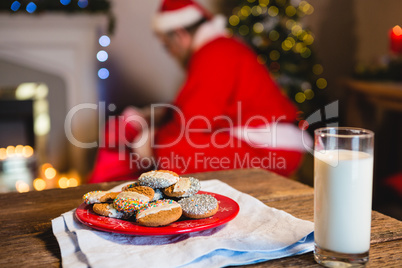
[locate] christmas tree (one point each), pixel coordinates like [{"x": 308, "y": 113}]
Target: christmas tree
[{"x": 274, "y": 29}]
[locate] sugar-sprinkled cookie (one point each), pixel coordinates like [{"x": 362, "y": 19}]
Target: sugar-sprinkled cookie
[
  {"x": 133, "y": 199},
  {"x": 158, "y": 178},
  {"x": 108, "y": 210},
  {"x": 95, "y": 197},
  {"x": 186, "y": 186},
  {"x": 199, "y": 206},
  {"x": 159, "y": 213}
]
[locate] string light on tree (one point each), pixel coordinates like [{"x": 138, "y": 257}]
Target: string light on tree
[{"x": 283, "y": 44}]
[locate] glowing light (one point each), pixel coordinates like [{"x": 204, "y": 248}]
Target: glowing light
[
  {"x": 244, "y": 30},
  {"x": 10, "y": 150},
  {"x": 19, "y": 149},
  {"x": 397, "y": 30},
  {"x": 309, "y": 94},
  {"x": 256, "y": 10},
  {"x": 318, "y": 69},
  {"x": 287, "y": 45},
  {"x": 25, "y": 91},
  {"x": 305, "y": 53},
  {"x": 290, "y": 11},
  {"x": 103, "y": 73},
  {"x": 65, "y": 2},
  {"x": 27, "y": 151},
  {"x": 299, "y": 47},
  {"x": 290, "y": 24},
  {"x": 245, "y": 11},
  {"x": 31, "y": 7},
  {"x": 41, "y": 91},
  {"x": 308, "y": 39},
  {"x": 46, "y": 166},
  {"x": 63, "y": 182},
  {"x": 258, "y": 27},
  {"x": 273, "y": 11},
  {"x": 102, "y": 56},
  {"x": 72, "y": 182},
  {"x": 273, "y": 35},
  {"x": 40, "y": 106},
  {"x": 321, "y": 83},
  {"x": 262, "y": 59},
  {"x": 3, "y": 153},
  {"x": 300, "y": 97},
  {"x": 234, "y": 20},
  {"x": 22, "y": 187},
  {"x": 15, "y": 6},
  {"x": 39, "y": 184},
  {"x": 274, "y": 55},
  {"x": 50, "y": 173},
  {"x": 82, "y": 3},
  {"x": 306, "y": 8},
  {"x": 302, "y": 35},
  {"x": 42, "y": 124},
  {"x": 296, "y": 30},
  {"x": 104, "y": 41},
  {"x": 263, "y": 3}
]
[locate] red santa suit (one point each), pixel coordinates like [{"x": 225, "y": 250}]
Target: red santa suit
[
  {"x": 227, "y": 100},
  {"x": 229, "y": 114}
]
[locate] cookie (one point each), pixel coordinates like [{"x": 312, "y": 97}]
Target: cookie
[
  {"x": 199, "y": 206},
  {"x": 125, "y": 188},
  {"x": 158, "y": 178},
  {"x": 158, "y": 195},
  {"x": 186, "y": 186},
  {"x": 96, "y": 197},
  {"x": 108, "y": 210},
  {"x": 133, "y": 199},
  {"x": 159, "y": 213}
]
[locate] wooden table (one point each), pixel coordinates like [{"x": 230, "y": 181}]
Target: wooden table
[{"x": 27, "y": 239}]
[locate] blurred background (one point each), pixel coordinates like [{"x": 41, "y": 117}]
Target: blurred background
[{"x": 70, "y": 64}]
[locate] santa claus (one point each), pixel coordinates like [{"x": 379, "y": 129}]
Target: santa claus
[{"x": 228, "y": 114}]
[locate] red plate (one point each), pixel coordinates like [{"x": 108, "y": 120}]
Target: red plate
[{"x": 228, "y": 209}]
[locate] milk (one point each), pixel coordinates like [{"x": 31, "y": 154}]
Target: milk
[{"x": 342, "y": 200}]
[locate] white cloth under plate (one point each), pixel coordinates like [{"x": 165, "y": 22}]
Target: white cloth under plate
[{"x": 257, "y": 234}]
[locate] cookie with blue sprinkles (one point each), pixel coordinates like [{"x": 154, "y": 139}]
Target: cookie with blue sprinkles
[
  {"x": 158, "y": 178},
  {"x": 199, "y": 206},
  {"x": 186, "y": 186},
  {"x": 96, "y": 197},
  {"x": 133, "y": 199}
]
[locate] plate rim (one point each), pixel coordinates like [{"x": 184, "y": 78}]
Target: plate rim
[{"x": 162, "y": 230}]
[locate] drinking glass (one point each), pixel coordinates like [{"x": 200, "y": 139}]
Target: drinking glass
[{"x": 343, "y": 179}]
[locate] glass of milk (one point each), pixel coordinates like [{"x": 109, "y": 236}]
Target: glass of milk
[{"x": 343, "y": 179}]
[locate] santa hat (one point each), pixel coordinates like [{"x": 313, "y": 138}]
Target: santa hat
[{"x": 174, "y": 14}]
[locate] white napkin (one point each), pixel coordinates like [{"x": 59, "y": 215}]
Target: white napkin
[{"x": 257, "y": 234}]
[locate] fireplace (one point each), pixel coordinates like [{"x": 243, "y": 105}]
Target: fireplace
[{"x": 57, "y": 50}]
